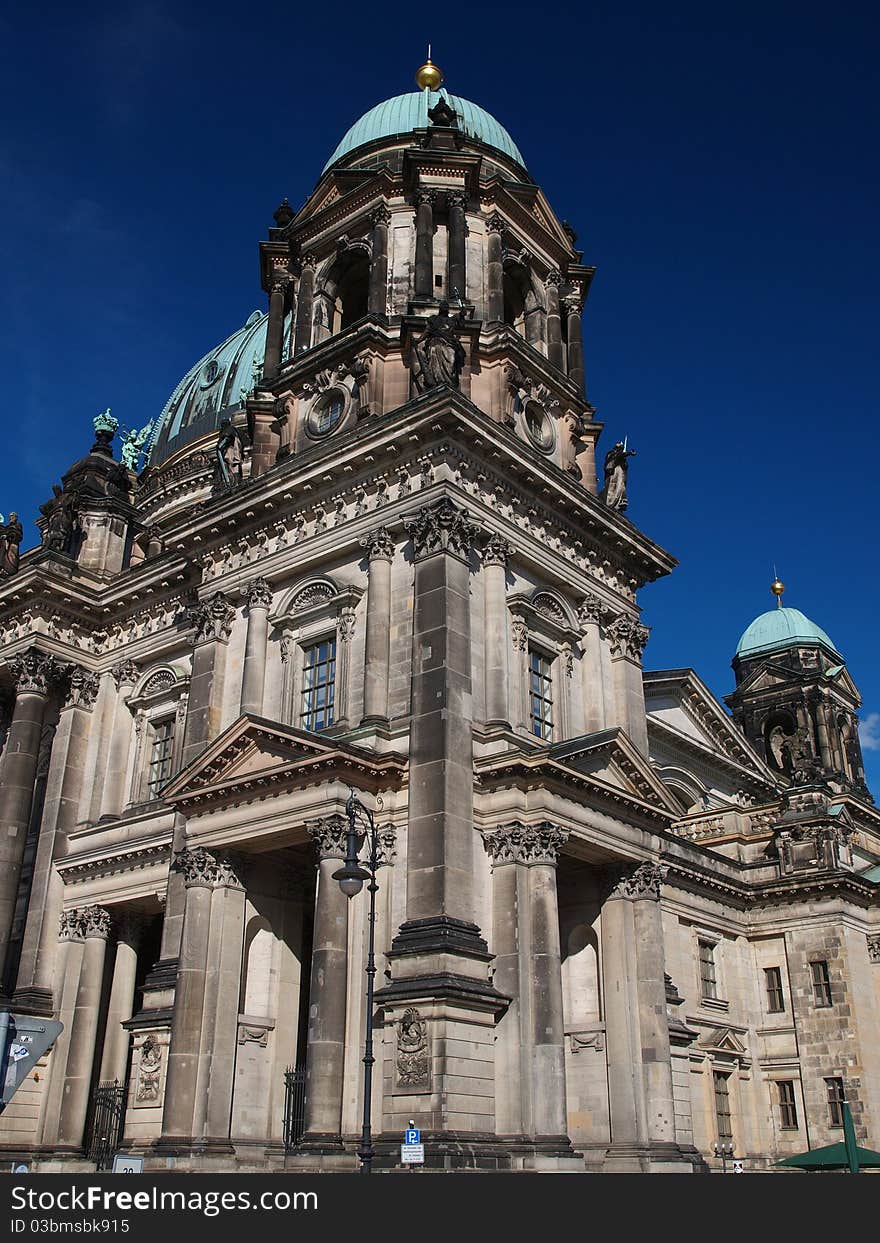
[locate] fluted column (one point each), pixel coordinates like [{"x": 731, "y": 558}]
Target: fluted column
[
  {"x": 325, "y": 1055},
  {"x": 275, "y": 326},
  {"x": 84, "y": 1029},
  {"x": 379, "y": 547},
  {"x": 34, "y": 674},
  {"x": 424, "y": 276},
  {"x": 496, "y": 553},
  {"x": 199, "y": 870},
  {"x": 304, "y": 304},
  {"x": 114, "y": 1058},
  {"x": 590, "y": 615},
  {"x": 456, "y": 201},
  {"x": 259, "y": 599},
  {"x": 554, "y": 318},
  {"x": 628, "y": 638},
  {"x": 380, "y": 218},
  {"x": 212, "y": 620},
  {"x": 574, "y": 306},
  {"x": 113, "y": 799},
  {"x": 213, "y": 1112},
  {"x": 495, "y": 268}
]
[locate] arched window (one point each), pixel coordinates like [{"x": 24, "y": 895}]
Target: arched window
[
  {"x": 342, "y": 295},
  {"x": 580, "y": 977},
  {"x": 258, "y": 977}
]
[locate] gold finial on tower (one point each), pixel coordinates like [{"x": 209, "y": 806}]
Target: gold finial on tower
[
  {"x": 429, "y": 77},
  {"x": 777, "y": 587}
]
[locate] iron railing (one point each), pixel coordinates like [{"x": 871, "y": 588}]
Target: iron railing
[
  {"x": 294, "y": 1105},
  {"x": 106, "y": 1123}
]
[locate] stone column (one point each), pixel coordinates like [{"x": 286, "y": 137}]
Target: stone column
[
  {"x": 325, "y": 1055},
  {"x": 496, "y": 552},
  {"x": 380, "y": 218},
  {"x": 424, "y": 276},
  {"x": 554, "y": 318},
  {"x": 495, "y": 268},
  {"x": 822, "y": 733},
  {"x": 219, "y": 1033},
  {"x": 275, "y": 326},
  {"x": 590, "y": 615},
  {"x": 113, "y": 800},
  {"x": 199, "y": 870},
  {"x": 34, "y": 674},
  {"x": 259, "y": 599},
  {"x": 212, "y": 620},
  {"x": 84, "y": 1029},
  {"x": 379, "y": 547},
  {"x": 574, "y": 305},
  {"x": 531, "y": 965},
  {"x": 628, "y": 638},
  {"x": 304, "y": 304},
  {"x": 457, "y": 201},
  {"x": 114, "y": 1059},
  {"x": 60, "y": 815},
  {"x": 637, "y": 1031}
]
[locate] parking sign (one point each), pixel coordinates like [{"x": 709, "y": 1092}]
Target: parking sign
[{"x": 413, "y": 1136}]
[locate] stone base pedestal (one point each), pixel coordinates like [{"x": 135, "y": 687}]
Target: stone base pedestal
[{"x": 647, "y": 1159}]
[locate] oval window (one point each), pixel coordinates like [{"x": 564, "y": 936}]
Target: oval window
[
  {"x": 326, "y": 413},
  {"x": 538, "y": 426}
]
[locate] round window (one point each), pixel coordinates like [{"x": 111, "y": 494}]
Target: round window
[
  {"x": 538, "y": 426},
  {"x": 211, "y": 372},
  {"x": 326, "y": 413}
]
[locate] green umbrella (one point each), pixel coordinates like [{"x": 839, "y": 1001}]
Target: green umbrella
[{"x": 845, "y": 1156}]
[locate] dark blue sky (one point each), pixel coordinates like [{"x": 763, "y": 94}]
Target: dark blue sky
[{"x": 718, "y": 163}]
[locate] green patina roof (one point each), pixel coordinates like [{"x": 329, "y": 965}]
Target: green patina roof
[
  {"x": 405, "y": 113},
  {"x": 779, "y": 628}
]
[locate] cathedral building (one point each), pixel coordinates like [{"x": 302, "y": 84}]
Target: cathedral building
[{"x": 620, "y": 926}]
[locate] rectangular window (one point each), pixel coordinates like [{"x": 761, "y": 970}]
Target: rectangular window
[
  {"x": 540, "y": 695},
  {"x": 722, "y": 1104},
  {"x": 319, "y": 684},
  {"x": 160, "y": 755},
  {"x": 775, "y": 995},
  {"x": 787, "y": 1105},
  {"x": 836, "y": 1098},
  {"x": 708, "y": 979},
  {"x": 821, "y": 983}
]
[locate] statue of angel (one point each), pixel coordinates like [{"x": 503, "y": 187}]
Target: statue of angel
[{"x": 133, "y": 445}]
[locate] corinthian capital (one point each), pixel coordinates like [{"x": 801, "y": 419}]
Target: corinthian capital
[
  {"x": 198, "y": 867},
  {"x": 591, "y": 610},
  {"x": 70, "y": 926},
  {"x": 35, "y": 671},
  {"x": 83, "y": 689},
  {"x": 441, "y": 527},
  {"x": 212, "y": 618},
  {"x": 379, "y": 544},
  {"x": 529, "y": 844},
  {"x": 380, "y": 215},
  {"x": 95, "y": 921},
  {"x": 638, "y": 881},
  {"x": 496, "y": 550},
  {"x": 495, "y": 222},
  {"x": 229, "y": 871},
  {"x": 628, "y": 637},
  {"x": 258, "y": 594},
  {"x": 125, "y": 674},
  {"x": 329, "y": 835}
]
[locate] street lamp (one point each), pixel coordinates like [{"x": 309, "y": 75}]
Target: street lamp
[
  {"x": 725, "y": 1151},
  {"x": 351, "y": 877}
]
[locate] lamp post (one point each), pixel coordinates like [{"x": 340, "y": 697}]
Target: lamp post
[
  {"x": 351, "y": 877},
  {"x": 725, "y": 1151}
]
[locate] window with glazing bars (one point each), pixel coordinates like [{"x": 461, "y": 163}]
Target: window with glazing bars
[
  {"x": 787, "y": 1105},
  {"x": 836, "y": 1098},
  {"x": 722, "y": 1104},
  {"x": 708, "y": 979},
  {"x": 540, "y": 695},
  {"x": 821, "y": 983},
  {"x": 160, "y": 755},
  {"x": 319, "y": 684},
  {"x": 775, "y": 995}
]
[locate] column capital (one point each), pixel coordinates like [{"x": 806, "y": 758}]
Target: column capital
[
  {"x": 230, "y": 870},
  {"x": 379, "y": 545},
  {"x": 386, "y": 844},
  {"x": 125, "y": 674},
  {"x": 457, "y": 198},
  {"x": 35, "y": 672},
  {"x": 495, "y": 222},
  {"x": 198, "y": 866},
  {"x": 83, "y": 689},
  {"x": 95, "y": 921},
  {"x": 530, "y": 844},
  {"x": 641, "y": 881},
  {"x": 628, "y": 637},
  {"x": 212, "y": 619},
  {"x": 441, "y": 527},
  {"x": 70, "y": 926},
  {"x": 573, "y": 303},
  {"x": 258, "y": 594},
  {"x": 425, "y": 196},
  {"x": 308, "y": 260},
  {"x": 280, "y": 282},
  {"x": 329, "y": 834},
  {"x": 553, "y": 277},
  {"x": 591, "y": 610},
  {"x": 379, "y": 216},
  {"x": 496, "y": 550}
]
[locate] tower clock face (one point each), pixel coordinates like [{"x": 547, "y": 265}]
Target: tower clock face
[{"x": 326, "y": 414}]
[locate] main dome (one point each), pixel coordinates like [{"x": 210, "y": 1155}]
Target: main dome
[
  {"x": 405, "y": 113},
  {"x": 780, "y": 628}
]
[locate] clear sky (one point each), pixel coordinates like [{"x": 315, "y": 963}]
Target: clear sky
[{"x": 719, "y": 164}]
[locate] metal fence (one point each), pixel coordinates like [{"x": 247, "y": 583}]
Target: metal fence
[
  {"x": 294, "y": 1105},
  {"x": 106, "y": 1123}
]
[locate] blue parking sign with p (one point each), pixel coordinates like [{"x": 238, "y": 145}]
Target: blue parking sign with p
[{"x": 413, "y": 1136}]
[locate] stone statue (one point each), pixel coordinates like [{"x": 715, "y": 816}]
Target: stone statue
[
  {"x": 230, "y": 453},
  {"x": 11, "y": 536},
  {"x": 133, "y": 446},
  {"x": 616, "y": 466},
  {"x": 60, "y": 515},
  {"x": 438, "y": 355}
]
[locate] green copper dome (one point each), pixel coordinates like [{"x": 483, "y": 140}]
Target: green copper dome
[
  {"x": 779, "y": 628},
  {"x": 405, "y": 113}
]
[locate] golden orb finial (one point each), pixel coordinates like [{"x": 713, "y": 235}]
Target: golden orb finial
[
  {"x": 777, "y": 587},
  {"x": 429, "y": 77}
]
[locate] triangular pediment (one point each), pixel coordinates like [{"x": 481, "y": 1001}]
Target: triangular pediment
[
  {"x": 612, "y": 757},
  {"x": 724, "y": 1040},
  {"x": 764, "y": 678}
]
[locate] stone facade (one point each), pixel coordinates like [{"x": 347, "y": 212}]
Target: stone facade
[{"x": 605, "y": 917}]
